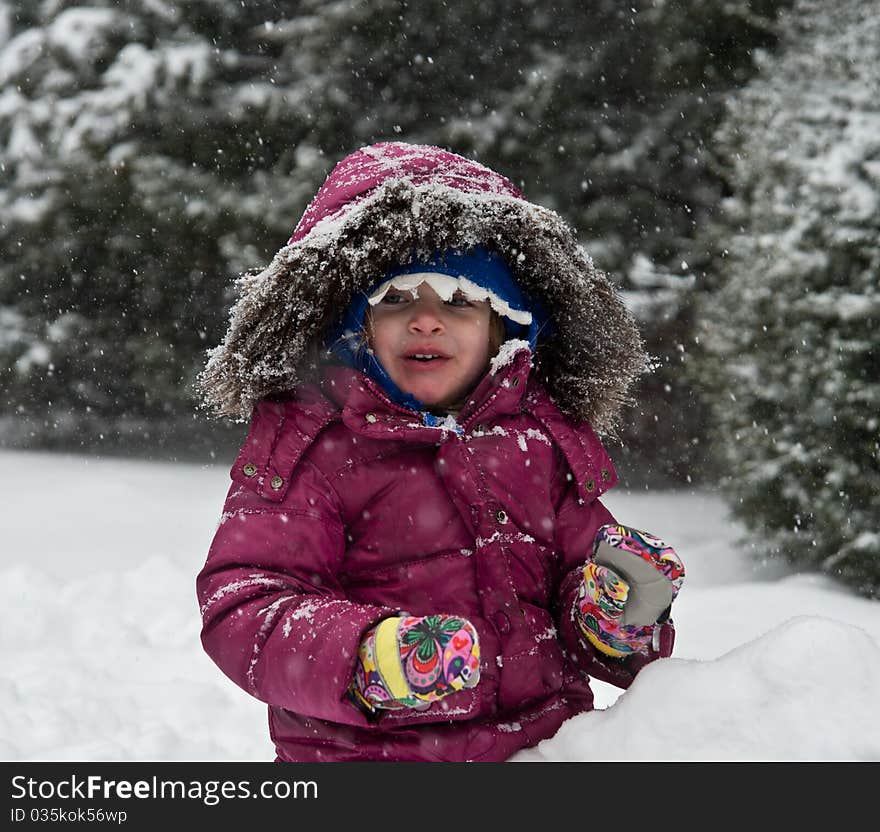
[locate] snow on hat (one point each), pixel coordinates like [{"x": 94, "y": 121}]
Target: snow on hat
[{"x": 479, "y": 274}]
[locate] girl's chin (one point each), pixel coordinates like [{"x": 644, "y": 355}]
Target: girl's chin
[
  {"x": 434, "y": 385},
  {"x": 430, "y": 396},
  {"x": 430, "y": 400}
]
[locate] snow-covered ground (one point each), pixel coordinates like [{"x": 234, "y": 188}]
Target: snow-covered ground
[{"x": 99, "y": 631}]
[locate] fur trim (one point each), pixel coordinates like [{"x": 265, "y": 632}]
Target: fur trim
[{"x": 277, "y": 327}]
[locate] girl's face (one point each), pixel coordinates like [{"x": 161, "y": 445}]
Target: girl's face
[{"x": 435, "y": 350}]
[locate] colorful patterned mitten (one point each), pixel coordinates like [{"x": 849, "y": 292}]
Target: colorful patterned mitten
[
  {"x": 628, "y": 588},
  {"x": 412, "y": 661}
]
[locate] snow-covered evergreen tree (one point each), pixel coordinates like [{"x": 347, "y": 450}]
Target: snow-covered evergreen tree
[
  {"x": 792, "y": 352},
  {"x": 138, "y": 143}
]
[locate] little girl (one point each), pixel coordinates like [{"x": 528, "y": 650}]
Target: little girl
[{"x": 413, "y": 562}]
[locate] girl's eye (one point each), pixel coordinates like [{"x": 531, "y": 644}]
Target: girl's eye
[
  {"x": 458, "y": 299},
  {"x": 393, "y": 299}
]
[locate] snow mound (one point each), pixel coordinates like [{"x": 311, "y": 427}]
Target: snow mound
[{"x": 804, "y": 691}]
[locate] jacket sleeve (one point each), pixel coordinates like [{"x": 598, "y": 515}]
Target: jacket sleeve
[
  {"x": 577, "y": 522},
  {"x": 275, "y": 618}
]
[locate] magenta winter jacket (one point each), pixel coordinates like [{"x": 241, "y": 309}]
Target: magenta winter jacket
[{"x": 345, "y": 510}]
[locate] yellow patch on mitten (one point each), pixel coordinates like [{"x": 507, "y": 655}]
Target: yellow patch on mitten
[
  {"x": 388, "y": 659},
  {"x": 601, "y": 646}
]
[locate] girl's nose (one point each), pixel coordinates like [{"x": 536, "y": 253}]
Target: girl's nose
[{"x": 425, "y": 319}]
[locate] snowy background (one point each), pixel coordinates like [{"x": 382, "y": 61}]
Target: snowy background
[{"x": 99, "y": 632}]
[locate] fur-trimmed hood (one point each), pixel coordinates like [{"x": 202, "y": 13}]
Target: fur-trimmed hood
[{"x": 379, "y": 207}]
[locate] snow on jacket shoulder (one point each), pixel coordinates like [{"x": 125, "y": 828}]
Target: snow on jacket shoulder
[{"x": 346, "y": 509}]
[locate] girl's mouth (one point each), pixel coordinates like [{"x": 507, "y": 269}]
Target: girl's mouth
[{"x": 425, "y": 360}]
